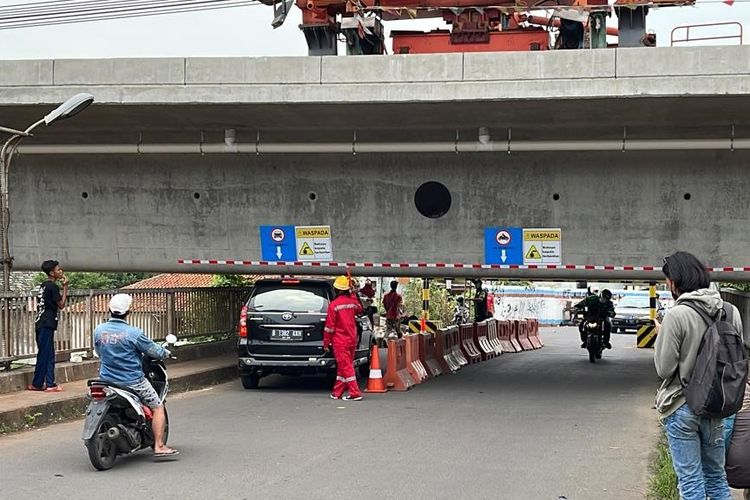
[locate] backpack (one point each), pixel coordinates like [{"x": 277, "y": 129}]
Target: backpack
[{"x": 717, "y": 386}]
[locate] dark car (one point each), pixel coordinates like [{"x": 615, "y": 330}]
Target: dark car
[
  {"x": 632, "y": 312},
  {"x": 281, "y": 331}
]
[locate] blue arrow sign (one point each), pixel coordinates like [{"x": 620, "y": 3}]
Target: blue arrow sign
[
  {"x": 503, "y": 245},
  {"x": 278, "y": 243}
]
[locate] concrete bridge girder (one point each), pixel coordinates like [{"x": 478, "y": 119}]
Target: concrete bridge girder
[{"x": 144, "y": 212}]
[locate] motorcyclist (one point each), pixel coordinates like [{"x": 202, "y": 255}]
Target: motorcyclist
[
  {"x": 121, "y": 348},
  {"x": 461, "y": 314},
  {"x": 597, "y": 308}
]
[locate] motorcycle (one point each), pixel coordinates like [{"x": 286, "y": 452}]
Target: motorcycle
[
  {"x": 594, "y": 331},
  {"x": 117, "y": 422}
]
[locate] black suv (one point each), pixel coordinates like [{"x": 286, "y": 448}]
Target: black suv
[{"x": 281, "y": 331}]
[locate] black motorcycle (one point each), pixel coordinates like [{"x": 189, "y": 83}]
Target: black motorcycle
[
  {"x": 117, "y": 422},
  {"x": 594, "y": 331}
]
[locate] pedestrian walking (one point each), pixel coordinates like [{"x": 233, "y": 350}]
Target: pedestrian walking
[
  {"x": 340, "y": 332},
  {"x": 696, "y": 442},
  {"x": 50, "y": 302},
  {"x": 392, "y": 302}
]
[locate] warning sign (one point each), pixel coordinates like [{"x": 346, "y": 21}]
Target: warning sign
[
  {"x": 533, "y": 253},
  {"x": 306, "y": 250},
  {"x": 314, "y": 243},
  {"x": 542, "y": 246}
]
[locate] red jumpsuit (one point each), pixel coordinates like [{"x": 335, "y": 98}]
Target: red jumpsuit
[{"x": 341, "y": 332}]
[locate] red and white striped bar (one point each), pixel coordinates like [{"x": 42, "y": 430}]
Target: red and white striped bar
[{"x": 443, "y": 266}]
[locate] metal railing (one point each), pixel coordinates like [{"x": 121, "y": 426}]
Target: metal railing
[
  {"x": 687, "y": 38},
  {"x": 741, "y": 301},
  {"x": 186, "y": 312}
]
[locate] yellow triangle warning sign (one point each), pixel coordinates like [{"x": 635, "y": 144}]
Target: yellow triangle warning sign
[
  {"x": 306, "y": 250},
  {"x": 533, "y": 253}
]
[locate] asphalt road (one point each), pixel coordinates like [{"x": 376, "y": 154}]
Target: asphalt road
[{"x": 534, "y": 425}]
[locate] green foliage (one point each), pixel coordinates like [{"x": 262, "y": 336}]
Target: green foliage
[
  {"x": 98, "y": 281},
  {"x": 742, "y": 287},
  {"x": 230, "y": 281},
  {"x": 441, "y": 308},
  {"x": 663, "y": 482}
]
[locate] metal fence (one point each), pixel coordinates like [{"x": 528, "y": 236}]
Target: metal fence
[
  {"x": 741, "y": 301},
  {"x": 186, "y": 312}
]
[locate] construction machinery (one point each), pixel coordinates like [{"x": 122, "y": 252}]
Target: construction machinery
[{"x": 475, "y": 25}]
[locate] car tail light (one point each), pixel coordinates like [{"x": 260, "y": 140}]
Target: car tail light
[
  {"x": 243, "y": 322},
  {"x": 290, "y": 282},
  {"x": 97, "y": 392}
]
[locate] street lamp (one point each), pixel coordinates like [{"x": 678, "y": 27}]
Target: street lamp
[{"x": 69, "y": 108}]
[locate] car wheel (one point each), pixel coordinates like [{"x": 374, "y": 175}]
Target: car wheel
[{"x": 250, "y": 380}]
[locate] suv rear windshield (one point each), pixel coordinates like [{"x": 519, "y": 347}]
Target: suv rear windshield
[{"x": 278, "y": 297}]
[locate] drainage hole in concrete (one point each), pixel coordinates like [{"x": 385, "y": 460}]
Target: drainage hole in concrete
[{"x": 432, "y": 199}]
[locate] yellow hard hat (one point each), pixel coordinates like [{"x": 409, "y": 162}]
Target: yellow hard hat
[{"x": 341, "y": 283}]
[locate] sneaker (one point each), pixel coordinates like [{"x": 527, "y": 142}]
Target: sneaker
[
  {"x": 333, "y": 397},
  {"x": 54, "y": 388},
  {"x": 349, "y": 398},
  {"x": 608, "y": 345}
]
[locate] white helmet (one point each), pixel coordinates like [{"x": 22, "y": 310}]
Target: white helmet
[{"x": 120, "y": 303}]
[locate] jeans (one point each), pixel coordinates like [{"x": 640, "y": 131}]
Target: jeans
[
  {"x": 45, "y": 358},
  {"x": 698, "y": 455},
  {"x": 728, "y": 431}
]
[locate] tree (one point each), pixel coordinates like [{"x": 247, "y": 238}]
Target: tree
[
  {"x": 441, "y": 307},
  {"x": 230, "y": 281},
  {"x": 101, "y": 281},
  {"x": 742, "y": 287}
]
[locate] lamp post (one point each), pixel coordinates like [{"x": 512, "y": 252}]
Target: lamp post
[{"x": 69, "y": 108}]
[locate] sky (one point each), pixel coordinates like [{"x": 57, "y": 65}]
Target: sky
[{"x": 246, "y": 31}]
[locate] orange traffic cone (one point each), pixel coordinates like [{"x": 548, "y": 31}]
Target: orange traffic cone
[{"x": 375, "y": 382}]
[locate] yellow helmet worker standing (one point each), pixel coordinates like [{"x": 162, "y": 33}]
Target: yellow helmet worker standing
[
  {"x": 341, "y": 333},
  {"x": 341, "y": 283}
]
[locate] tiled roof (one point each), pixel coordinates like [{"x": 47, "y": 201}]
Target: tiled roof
[
  {"x": 182, "y": 280},
  {"x": 174, "y": 280}
]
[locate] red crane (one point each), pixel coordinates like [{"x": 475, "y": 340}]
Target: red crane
[{"x": 476, "y": 25}]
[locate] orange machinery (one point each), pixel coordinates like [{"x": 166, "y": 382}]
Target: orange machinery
[{"x": 476, "y": 25}]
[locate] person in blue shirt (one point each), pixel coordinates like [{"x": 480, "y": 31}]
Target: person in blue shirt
[{"x": 121, "y": 348}]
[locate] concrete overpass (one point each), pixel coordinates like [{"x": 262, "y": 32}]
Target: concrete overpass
[{"x": 632, "y": 153}]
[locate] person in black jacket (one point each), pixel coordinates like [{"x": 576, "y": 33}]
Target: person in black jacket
[{"x": 49, "y": 302}]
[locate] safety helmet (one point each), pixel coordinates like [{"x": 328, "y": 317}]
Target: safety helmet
[
  {"x": 606, "y": 294},
  {"x": 120, "y": 303},
  {"x": 341, "y": 283}
]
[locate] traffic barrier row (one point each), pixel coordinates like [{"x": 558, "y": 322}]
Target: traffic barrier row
[{"x": 417, "y": 357}]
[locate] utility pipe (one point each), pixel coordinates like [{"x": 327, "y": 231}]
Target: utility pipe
[{"x": 391, "y": 147}]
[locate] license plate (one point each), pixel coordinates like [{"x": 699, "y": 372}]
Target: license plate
[{"x": 286, "y": 334}]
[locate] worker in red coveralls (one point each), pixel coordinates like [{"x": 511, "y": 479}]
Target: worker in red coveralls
[{"x": 341, "y": 333}]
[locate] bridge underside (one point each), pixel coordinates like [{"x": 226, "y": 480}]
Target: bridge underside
[{"x": 143, "y": 178}]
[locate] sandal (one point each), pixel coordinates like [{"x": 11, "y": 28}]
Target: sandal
[
  {"x": 32, "y": 387},
  {"x": 170, "y": 453},
  {"x": 54, "y": 388}
]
